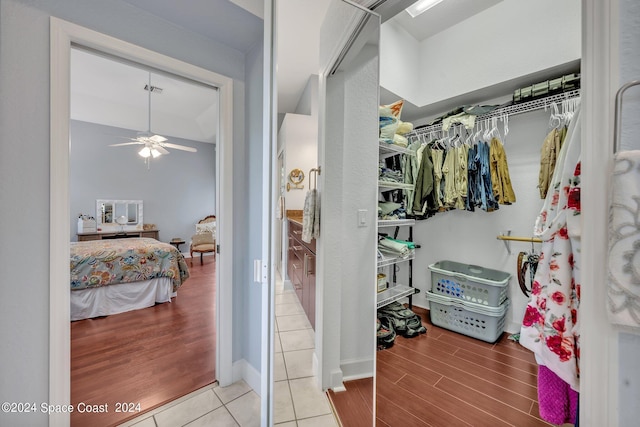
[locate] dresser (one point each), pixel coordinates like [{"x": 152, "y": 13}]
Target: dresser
[
  {"x": 99, "y": 235},
  {"x": 301, "y": 268}
]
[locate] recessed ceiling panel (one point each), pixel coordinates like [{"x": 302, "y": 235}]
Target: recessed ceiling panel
[{"x": 111, "y": 92}]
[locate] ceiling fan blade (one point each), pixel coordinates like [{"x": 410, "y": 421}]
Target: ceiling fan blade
[
  {"x": 157, "y": 138},
  {"x": 179, "y": 147},
  {"x": 125, "y": 143},
  {"x": 160, "y": 149}
]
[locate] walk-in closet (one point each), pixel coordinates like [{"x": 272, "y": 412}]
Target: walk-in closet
[
  {"x": 493, "y": 85},
  {"x": 485, "y": 113}
]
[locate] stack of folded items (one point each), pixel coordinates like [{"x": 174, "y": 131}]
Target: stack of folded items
[{"x": 400, "y": 248}]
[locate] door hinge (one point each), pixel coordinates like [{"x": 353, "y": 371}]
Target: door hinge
[{"x": 217, "y": 249}]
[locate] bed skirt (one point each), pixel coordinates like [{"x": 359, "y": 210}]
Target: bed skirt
[{"x": 119, "y": 298}]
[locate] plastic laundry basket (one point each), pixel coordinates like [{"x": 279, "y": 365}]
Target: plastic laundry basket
[
  {"x": 469, "y": 283},
  {"x": 475, "y": 320}
]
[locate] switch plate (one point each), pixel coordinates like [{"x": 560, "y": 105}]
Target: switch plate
[
  {"x": 362, "y": 218},
  {"x": 257, "y": 270}
]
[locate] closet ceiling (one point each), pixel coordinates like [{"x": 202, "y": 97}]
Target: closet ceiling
[{"x": 442, "y": 16}]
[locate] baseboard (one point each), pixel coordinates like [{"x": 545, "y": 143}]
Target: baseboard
[
  {"x": 357, "y": 369},
  {"x": 314, "y": 366},
  {"x": 242, "y": 370}
]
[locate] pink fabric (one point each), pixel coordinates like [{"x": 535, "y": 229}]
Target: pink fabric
[{"x": 558, "y": 402}]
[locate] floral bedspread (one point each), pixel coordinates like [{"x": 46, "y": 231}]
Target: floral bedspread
[{"x": 106, "y": 262}]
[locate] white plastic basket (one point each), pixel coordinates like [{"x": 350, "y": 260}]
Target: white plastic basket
[
  {"x": 475, "y": 320},
  {"x": 469, "y": 283}
]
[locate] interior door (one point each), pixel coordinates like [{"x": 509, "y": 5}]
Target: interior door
[{"x": 345, "y": 267}]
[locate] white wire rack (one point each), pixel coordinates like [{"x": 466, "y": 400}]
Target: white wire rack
[{"x": 510, "y": 110}]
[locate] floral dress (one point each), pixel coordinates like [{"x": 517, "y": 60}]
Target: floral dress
[{"x": 550, "y": 327}]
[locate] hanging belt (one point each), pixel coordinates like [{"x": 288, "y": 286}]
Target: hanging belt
[{"x": 526, "y": 261}]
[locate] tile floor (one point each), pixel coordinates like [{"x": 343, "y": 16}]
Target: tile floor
[{"x": 297, "y": 400}]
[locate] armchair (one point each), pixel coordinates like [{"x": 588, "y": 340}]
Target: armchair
[{"x": 204, "y": 241}]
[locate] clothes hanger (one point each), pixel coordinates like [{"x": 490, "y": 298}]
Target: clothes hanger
[
  {"x": 505, "y": 127},
  {"x": 555, "y": 120}
]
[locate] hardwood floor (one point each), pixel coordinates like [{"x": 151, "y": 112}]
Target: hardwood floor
[
  {"x": 444, "y": 379},
  {"x": 149, "y": 356}
]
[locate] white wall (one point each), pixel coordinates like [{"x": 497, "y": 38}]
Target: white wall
[
  {"x": 399, "y": 62},
  {"x": 470, "y": 237},
  {"x": 308, "y": 102},
  {"x": 177, "y": 190},
  {"x": 24, "y": 171},
  {"x": 247, "y": 313},
  {"x": 511, "y": 39},
  {"x": 299, "y": 135}
]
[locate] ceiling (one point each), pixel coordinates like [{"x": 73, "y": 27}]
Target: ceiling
[
  {"x": 442, "y": 16},
  {"x": 111, "y": 92},
  {"x": 97, "y": 86}
]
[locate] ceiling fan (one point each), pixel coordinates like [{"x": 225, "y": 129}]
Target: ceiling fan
[{"x": 154, "y": 145}]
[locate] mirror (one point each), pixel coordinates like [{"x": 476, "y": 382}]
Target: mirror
[
  {"x": 108, "y": 212},
  {"x": 348, "y": 154}
]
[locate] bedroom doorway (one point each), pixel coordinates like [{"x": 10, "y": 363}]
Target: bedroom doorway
[
  {"x": 64, "y": 35},
  {"x": 108, "y": 131}
]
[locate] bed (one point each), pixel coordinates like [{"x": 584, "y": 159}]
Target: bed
[{"x": 118, "y": 275}]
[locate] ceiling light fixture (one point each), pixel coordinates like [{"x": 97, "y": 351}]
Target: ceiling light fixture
[
  {"x": 421, "y": 6},
  {"x": 154, "y": 145},
  {"x": 149, "y": 151},
  {"x": 145, "y": 152}
]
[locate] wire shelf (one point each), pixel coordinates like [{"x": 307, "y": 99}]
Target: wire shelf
[
  {"x": 394, "y": 293},
  {"x": 509, "y": 110}
]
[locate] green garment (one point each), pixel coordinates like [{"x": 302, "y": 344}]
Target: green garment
[{"x": 423, "y": 198}]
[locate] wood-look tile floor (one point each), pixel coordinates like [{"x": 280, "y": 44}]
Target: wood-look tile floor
[
  {"x": 150, "y": 356},
  {"x": 446, "y": 379}
]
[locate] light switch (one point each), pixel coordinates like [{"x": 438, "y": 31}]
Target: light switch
[{"x": 362, "y": 217}]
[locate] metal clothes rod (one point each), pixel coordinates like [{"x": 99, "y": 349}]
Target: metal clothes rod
[
  {"x": 509, "y": 110},
  {"x": 520, "y": 239},
  {"x": 618, "y": 114}
]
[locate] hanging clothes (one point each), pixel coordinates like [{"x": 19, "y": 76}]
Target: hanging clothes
[
  {"x": 548, "y": 158},
  {"x": 500, "y": 179},
  {"x": 550, "y": 328},
  {"x": 461, "y": 176},
  {"x": 448, "y": 173},
  {"x": 410, "y": 173},
  {"x": 424, "y": 200},
  {"x": 483, "y": 160},
  {"x": 437, "y": 157},
  {"x": 473, "y": 180}
]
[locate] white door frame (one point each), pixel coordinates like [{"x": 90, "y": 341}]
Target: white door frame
[
  {"x": 63, "y": 36},
  {"x": 267, "y": 264},
  {"x": 599, "y": 340}
]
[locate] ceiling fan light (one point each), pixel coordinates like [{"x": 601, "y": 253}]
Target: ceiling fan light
[
  {"x": 145, "y": 152},
  {"x": 155, "y": 153}
]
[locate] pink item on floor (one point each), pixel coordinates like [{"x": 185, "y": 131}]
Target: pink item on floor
[{"x": 558, "y": 402}]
